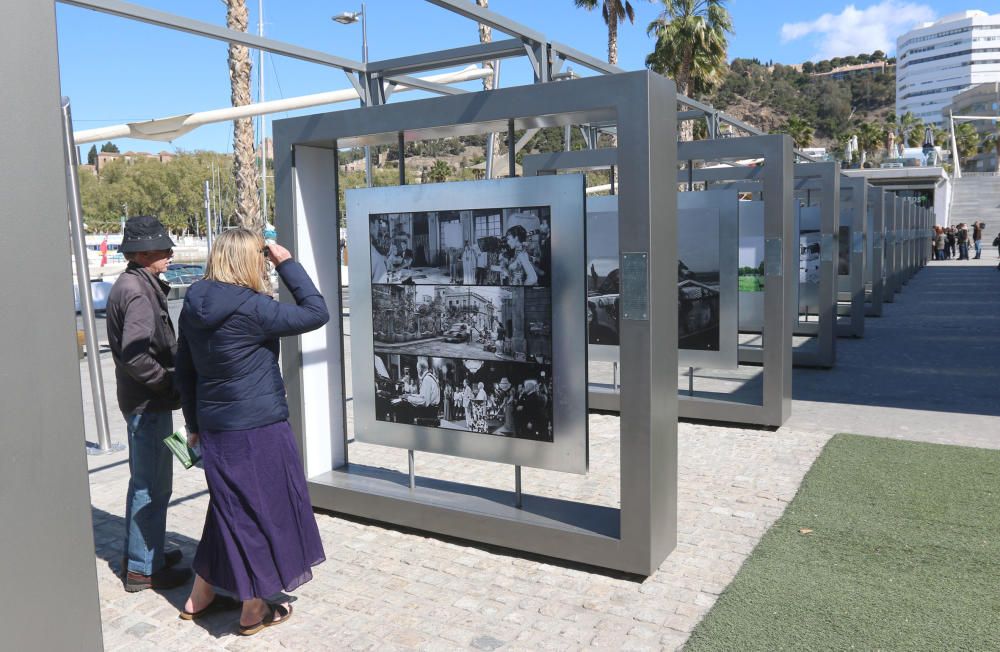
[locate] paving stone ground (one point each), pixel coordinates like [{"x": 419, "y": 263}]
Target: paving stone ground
[{"x": 385, "y": 588}]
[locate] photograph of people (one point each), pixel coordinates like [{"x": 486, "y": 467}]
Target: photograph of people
[
  {"x": 518, "y": 269},
  {"x": 602, "y": 277},
  {"x": 505, "y": 323},
  {"x": 498, "y": 246},
  {"x": 485, "y": 398}
]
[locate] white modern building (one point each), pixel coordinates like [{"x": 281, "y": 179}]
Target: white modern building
[{"x": 937, "y": 60}]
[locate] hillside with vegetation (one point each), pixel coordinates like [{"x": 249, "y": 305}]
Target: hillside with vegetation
[{"x": 782, "y": 98}]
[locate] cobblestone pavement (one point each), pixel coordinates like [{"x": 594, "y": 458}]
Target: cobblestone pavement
[{"x": 391, "y": 589}]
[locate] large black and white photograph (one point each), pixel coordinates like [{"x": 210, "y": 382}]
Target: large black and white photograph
[
  {"x": 844, "y": 251},
  {"x": 458, "y": 301},
  {"x": 505, "y": 323},
  {"x": 698, "y": 278},
  {"x": 810, "y": 250},
  {"x": 497, "y": 247},
  {"x": 602, "y": 273},
  {"x": 484, "y": 396}
]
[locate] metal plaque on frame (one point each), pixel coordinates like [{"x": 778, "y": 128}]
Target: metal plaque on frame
[
  {"x": 453, "y": 316},
  {"x": 635, "y": 286}
]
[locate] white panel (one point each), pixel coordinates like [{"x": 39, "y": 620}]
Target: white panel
[{"x": 317, "y": 238}]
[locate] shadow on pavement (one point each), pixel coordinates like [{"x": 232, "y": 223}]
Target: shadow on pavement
[
  {"x": 936, "y": 348},
  {"x": 109, "y": 533}
]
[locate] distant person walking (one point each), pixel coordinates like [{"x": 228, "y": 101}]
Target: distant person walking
[
  {"x": 260, "y": 535},
  {"x": 962, "y": 236},
  {"x": 977, "y": 237},
  {"x": 949, "y": 247},
  {"x": 940, "y": 239},
  {"x": 143, "y": 346},
  {"x": 996, "y": 243}
]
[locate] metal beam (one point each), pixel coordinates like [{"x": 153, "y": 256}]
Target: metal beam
[
  {"x": 690, "y": 115},
  {"x": 434, "y": 87},
  {"x": 584, "y": 59},
  {"x": 493, "y": 19},
  {"x": 208, "y": 30},
  {"x": 447, "y": 58}
]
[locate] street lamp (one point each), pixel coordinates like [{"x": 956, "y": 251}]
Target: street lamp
[{"x": 348, "y": 18}]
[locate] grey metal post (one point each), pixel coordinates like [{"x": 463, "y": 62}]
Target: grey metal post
[
  {"x": 411, "y": 464},
  {"x": 47, "y": 534},
  {"x": 364, "y": 59},
  {"x": 518, "y": 497},
  {"x": 83, "y": 283},
  {"x": 511, "y": 165},
  {"x": 401, "y": 143},
  {"x": 208, "y": 219}
]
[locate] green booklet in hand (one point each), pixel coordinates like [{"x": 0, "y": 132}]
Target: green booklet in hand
[{"x": 178, "y": 445}]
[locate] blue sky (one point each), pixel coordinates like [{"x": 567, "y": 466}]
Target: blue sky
[{"x": 115, "y": 70}]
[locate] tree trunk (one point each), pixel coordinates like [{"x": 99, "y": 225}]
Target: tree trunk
[
  {"x": 613, "y": 42},
  {"x": 244, "y": 156},
  {"x": 486, "y": 36},
  {"x": 685, "y": 128}
]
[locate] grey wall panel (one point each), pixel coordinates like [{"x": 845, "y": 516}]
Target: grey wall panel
[{"x": 47, "y": 565}]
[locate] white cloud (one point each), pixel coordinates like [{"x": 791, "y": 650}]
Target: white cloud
[{"x": 854, "y": 30}]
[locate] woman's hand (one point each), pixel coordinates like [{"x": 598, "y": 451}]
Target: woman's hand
[
  {"x": 192, "y": 439},
  {"x": 277, "y": 254}
]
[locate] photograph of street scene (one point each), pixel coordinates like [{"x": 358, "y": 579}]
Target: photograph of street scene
[
  {"x": 498, "y": 247},
  {"x": 505, "y": 323},
  {"x": 844, "y": 251},
  {"x": 810, "y": 248},
  {"x": 495, "y": 397},
  {"x": 698, "y": 274}
]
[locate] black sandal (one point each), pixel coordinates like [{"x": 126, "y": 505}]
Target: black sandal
[
  {"x": 268, "y": 620},
  {"x": 218, "y": 603}
]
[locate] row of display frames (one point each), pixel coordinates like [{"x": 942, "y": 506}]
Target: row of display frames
[
  {"x": 856, "y": 264},
  {"x": 638, "y": 535}
]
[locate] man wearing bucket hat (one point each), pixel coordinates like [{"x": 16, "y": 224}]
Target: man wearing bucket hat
[{"x": 143, "y": 345}]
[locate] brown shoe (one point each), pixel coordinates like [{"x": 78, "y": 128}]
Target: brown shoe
[
  {"x": 167, "y": 578},
  {"x": 170, "y": 558}
]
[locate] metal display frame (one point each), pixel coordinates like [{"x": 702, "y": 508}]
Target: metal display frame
[
  {"x": 824, "y": 179},
  {"x": 774, "y": 182},
  {"x": 565, "y": 198},
  {"x": 551, "y": 163},
  {"x": 638, "y": 536},
  {"x": 851, "y": 287},
  {"x": 878, "y": 200}
]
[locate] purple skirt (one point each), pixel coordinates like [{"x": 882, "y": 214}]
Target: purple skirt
[{"x": 260, "y": 535}]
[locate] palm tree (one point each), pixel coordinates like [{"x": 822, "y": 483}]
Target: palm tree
[
  {"x": 244, "y": 157},
  {"x": 967, "y": 139},
  {"x": 871, "y": 138},
  {"x": 691, "y": 46},
  {"x": 911, "y": 129},
  {"x": 613, "y": 12},
  {"x": 800, "y": 131}
]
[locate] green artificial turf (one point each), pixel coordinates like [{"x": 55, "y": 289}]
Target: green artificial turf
[{"x": 904, "y": 554}]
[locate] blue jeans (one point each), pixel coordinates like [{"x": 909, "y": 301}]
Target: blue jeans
[
  {"x": 979, "y": 248},
  {"x": 963, "y": 251},
  {"x": 151, "y": 464}
]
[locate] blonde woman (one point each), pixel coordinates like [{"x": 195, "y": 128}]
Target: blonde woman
[{"x": 260, "y": 536}]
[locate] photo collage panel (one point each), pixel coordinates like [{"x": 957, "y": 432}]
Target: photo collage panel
[{"x": 462, "y": 320}]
